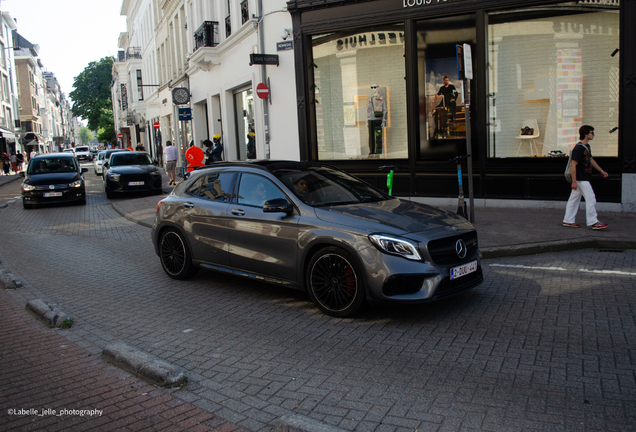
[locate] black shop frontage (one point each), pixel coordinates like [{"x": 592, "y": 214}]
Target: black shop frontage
[{"x": 378, "y": 84}]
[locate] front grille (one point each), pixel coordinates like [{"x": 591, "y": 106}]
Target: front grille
[
  {"x": 443, "y": 251},
  {"x": 403, "y": 284},
  {"x": 47, "y": 188},
  {"x": 450, "y": 287},
  {"x": 135, "y": 177}
]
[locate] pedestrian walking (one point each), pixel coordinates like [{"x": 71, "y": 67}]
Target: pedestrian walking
[
  {"x": 581, "y": 170},
  {"x": 14, "y": 162},
  {"x": 2, "y": 165},
  {"x": 208, "y": 152},
  {"x": 32, "y": 154},
  {"x": 19, "y": 157},
  {"x": 171, "y": 155}
]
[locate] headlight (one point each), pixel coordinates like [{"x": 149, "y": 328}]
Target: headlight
[
  {"x": 27, "y": 187},
  {"x": 395, "y": 246},
  {"x": 76, "y": 183},
  {"x": 114, "y": 177},
  {"x": 155, "y": 173}
]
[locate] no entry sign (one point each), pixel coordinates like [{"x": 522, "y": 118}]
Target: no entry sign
[
  {"x": 262, "y": 91},
  {"x": 155, "y": 125},
  {"x": 120, "y": 135}
]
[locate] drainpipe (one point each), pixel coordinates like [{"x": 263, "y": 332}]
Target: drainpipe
[{"x": 261, "y": 46}]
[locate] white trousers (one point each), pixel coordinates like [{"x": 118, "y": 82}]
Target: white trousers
[{"x": 584, "y": 190}]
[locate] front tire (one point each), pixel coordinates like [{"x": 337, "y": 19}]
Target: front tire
[
  {"x": 26, "y": 206},
  {"x": 335, "y": 282},
  {"x": 175, "y": 255}
]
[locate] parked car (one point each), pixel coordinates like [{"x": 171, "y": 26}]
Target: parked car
[
  {"x": 314, "y": 227},
  {"x": 128, "y": 171},
  {"x": 83, "y": 153},
  {"x": 98, "y": 162},
  {"x": 53, "y": 178}
]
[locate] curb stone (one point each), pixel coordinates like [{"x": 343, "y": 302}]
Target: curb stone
[
  {"x": 8, "y": 280},
  {"x": 143, "y": 365},
  {"x": 48, "y": 313},
  {"x": 300, "y": 423},
  {"x": 558, "y": 246}
]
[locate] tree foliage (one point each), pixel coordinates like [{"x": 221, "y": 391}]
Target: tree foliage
[
  {"x": 91, "y": 97},
  {"x": 85, "y": 134}
]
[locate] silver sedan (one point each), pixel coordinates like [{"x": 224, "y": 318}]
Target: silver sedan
[
  {"x": 313, "y": 227},
  {"x": 98, "y": 161}
]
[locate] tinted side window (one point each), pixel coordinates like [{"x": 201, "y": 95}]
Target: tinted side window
[
  {"x": 255, "y": 190},
  {"x": 217, "y": 186},
  {"x": 194, "y": 188}
]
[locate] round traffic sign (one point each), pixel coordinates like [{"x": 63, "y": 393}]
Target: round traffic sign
[
  {"x": 120, "y": 135},
  {"x": 262, "y": 91},
  {"x": 155, "y": 125}
]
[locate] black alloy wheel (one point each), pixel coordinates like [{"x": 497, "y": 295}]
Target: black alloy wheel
[
  {"x": 334, "y": 282},
  {"x": 175, "y": 255}
]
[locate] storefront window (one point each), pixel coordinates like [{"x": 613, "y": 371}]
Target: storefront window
[
  {"x": 441, "y": 91},
  {"x": 549, "y": 76},
  {"x": 360, "y": 94}
]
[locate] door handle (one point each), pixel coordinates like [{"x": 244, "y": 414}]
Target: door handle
[
  {"x": 238, "y": 212},
  {"x": 188, "y": 205}
]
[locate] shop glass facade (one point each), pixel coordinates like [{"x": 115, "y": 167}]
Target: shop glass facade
[
  {"x": 552, "y": 74},
  {"x": 442, "y": 103},
  {"x": 360, "y": 95}
]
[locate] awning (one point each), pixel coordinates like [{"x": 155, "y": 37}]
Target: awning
[{"x": 10, "y": 136}]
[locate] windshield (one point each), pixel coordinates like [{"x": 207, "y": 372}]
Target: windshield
[
  {"x": 324, "y": 186},
  {"x": 127, "y": 158},
  {"x": 51, "y": 165},
  {"x": 81, "y": 149}
]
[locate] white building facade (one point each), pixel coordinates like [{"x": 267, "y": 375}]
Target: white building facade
[{"x": 205, "y": 48}]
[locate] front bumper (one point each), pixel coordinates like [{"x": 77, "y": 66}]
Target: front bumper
[
  {"x": 131, "y": 183},
  {"x": 44, "y": 195}
]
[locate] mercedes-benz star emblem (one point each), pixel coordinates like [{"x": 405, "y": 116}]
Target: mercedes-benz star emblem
[
  {"x": 461, "y": 249},
  {"x": 52, "y": 187}
]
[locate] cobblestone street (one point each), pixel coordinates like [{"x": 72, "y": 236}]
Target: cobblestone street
[{"x": 547, "y": 343}]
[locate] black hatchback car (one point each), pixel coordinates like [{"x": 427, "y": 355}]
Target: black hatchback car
[
  {"x": 128, "y": 171},
  {"x": 53, "y": 178},
  {"x": 314, "y": 227}
]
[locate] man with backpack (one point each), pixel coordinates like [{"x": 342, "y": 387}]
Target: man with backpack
[{"x": 581, "y": 170}]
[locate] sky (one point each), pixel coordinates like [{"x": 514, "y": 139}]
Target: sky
[{"x": 71, "y": 33}]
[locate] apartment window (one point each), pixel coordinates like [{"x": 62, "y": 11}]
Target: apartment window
[
  {"x": 3, "y": 56},
  {"x": 228, "y": 21},
  {"x": 5, "y": 88},
  {"x": 245, "y": 12},
  {"x": 140, "y": 88}
]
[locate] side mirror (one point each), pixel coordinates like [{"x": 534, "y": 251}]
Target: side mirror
[
  {"x": 21, "y": 174},
  {"x": 84, "y": 170},
  {"x": 278, "y": 205}
]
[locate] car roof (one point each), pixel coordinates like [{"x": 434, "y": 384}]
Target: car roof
[
  {"x": 268, "y": 165},
  {"x": 50, "y": 155}
]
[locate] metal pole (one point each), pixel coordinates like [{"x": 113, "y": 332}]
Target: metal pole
[
  {"x": 261, "y": 47},
  {"x": 471, "y": 200}
]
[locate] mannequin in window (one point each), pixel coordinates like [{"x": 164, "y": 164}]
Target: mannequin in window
[{"x": 376, "y": 119}]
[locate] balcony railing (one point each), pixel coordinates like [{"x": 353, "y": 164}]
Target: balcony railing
[
  {"x": 206, "y": 35},
  {"x": 228, "y": 26},
  {"x": 133, "y": 53}
]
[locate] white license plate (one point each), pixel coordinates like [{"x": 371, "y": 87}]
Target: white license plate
[
  {"x": 52, "y": 194},
  {"x": 135, "y": 183},
  {"x": 463, "y": 270}
]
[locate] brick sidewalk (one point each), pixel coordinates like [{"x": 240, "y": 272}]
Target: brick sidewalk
[{"x": 42, "y": 370}]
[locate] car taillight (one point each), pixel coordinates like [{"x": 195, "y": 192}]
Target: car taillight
[{"x": 158, "y": 207}]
